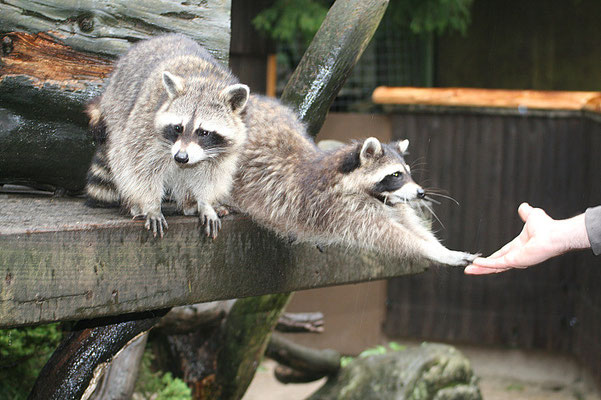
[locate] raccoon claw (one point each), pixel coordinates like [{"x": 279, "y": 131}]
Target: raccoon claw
[
  {"x": 156, "y": 224},
  {"x": 212, "y": 226}
]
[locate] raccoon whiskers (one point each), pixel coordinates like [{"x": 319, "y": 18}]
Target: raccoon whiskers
[
  {"x": 427, "y": 207},
  {"x": 432, "y": 200},
  {"x": 443, "y": 196}
]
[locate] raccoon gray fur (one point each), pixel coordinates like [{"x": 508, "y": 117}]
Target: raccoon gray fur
[
  {"x": 358, "y": 195},
  {"x": 172, "y": 117}
]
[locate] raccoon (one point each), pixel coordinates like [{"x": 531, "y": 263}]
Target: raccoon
[
  {"x": 168, "y": 124},
  {"x": 359, "y": 195}
]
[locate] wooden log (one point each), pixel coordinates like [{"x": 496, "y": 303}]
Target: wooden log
[
  {"x": 120, "y": 376},
  {"x": 300, "y": 322},
  {"x": 110, "y": 26},
  {"x": 287, "y": 375},
  {"x": 84, "y": 353},
  {"x": 468, "y": 97},
  {"x": 301, "y": 358},
  {"x": 43, "y": 130}
]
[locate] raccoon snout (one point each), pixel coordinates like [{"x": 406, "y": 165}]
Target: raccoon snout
[
  {"x": 181, "y": 157},
  {"x": 421, "y": 193}
]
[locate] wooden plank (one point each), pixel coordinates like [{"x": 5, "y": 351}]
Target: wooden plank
[
  {"x": 60, "y": 260},
  {"x": 468, "y": 97}
]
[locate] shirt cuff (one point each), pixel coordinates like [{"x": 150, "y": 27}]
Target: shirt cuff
[{"x": 592, "y": 220}]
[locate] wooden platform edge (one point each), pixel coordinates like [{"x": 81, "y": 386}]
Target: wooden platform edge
[
  {"x": 89, "y": 270},
  {"x": 494, "y": 98}
]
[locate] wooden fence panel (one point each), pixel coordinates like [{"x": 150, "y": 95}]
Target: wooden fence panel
[{"x": 491, "y": 161}]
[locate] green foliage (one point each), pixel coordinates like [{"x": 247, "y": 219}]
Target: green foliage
[
  {"x": 425, "y": 16},
  {"x": 159, "y": 385},
  {"x": 289, "y": 20},
  {"x": 23, "y": 352}
]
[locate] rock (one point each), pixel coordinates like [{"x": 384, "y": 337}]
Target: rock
[{"x": 426, "y": 372}]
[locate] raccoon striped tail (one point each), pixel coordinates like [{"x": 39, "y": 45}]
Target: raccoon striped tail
[
  {"x": 97, "y": 125},
  {"x": 101, "y": 189}
]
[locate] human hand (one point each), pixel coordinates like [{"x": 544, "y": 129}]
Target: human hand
[{"x": 541, "y": 238}]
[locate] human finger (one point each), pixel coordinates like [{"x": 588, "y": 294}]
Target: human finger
[
  {"x": 491, "y": 263},
  {"x": 524, "y": 211},
  {"x": 477, "y": 270}
]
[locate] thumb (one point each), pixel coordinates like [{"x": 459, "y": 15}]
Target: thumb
[{"x": 524, "y": 211}]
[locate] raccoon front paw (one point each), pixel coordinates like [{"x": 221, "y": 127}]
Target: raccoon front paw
[
  {"x": 459, "y": 259},
  {"x": 211, "y": 222},
  {"x": 156, "y": 223}
]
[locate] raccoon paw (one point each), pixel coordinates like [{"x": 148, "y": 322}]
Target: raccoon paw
[
  {"x": 211, "y": 223},
  {"x": 156, "y": 223},
  {"x": 459, "y": 259}
]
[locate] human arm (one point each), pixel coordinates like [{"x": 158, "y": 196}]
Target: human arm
[{"x": 541, "y": 238}]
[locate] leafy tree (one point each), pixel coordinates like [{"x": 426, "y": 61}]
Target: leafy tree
[
  {"x": 288, "y": 20},
  {"x": 159, "y": 385},
  {"x": 23, "y": 353}
]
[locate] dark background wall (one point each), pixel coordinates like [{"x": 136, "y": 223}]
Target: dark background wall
[
  {"x": 491, "y": 161},
  {"x": 517, "y": 44}
]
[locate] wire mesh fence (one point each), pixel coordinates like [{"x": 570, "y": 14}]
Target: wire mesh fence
[{"x": 395, "y": 57}]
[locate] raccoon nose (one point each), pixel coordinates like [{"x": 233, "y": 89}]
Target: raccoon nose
[
  {"x": 420, "y": 193},
  {"x": 181, "y": 157}
]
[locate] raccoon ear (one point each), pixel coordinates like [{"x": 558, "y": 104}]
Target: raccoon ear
[
  {"x": 173, "y": 84},
  {"x": 403, "y": 145},
  {"x": 371, "y": 149},
  {"x": 236, "y": 96}
]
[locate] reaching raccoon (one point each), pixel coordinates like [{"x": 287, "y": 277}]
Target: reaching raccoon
[
  {"x": 172, "y": 119},
  {"x": 358, "y": 195}
]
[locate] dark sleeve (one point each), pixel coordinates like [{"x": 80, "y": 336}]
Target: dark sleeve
[{"x": 592, "y": 220}]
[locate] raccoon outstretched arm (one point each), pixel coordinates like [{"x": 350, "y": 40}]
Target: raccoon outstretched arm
[{"x": 421, "y": 242}]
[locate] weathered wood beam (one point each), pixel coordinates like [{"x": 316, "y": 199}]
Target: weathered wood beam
[
  {"x": 110, "y": 26},
  {"x": 60, "y": 260}
]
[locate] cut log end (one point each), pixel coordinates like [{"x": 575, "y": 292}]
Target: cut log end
[{"x": 43, "y": 59}]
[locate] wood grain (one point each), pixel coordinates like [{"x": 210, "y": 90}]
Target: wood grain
[{"x": 60, "y": 260}]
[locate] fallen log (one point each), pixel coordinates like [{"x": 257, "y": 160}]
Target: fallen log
[
  {"x": 300, "y": 322},
  {"x": 308, "y": 362}
]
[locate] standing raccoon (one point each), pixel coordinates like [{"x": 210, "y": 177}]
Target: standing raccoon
[
  {"x": 358, "y": 195},
  {"x": 172, "y": 118}
]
